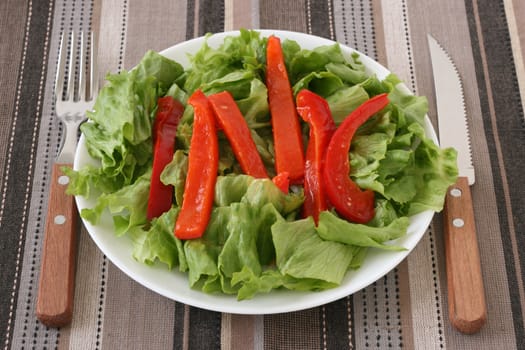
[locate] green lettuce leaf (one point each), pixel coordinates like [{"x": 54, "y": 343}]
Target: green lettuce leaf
[
  {"x": 119, "y": 132},
  {"x": 346, "y": 100},
  {"x": 128, "y": 206},
  {"x": 159, "y": 243},
  {"x": 302, "y": 254},
  {"x": 332, "y": 228},
  {"x": 303, "y": 62},
  {"x": 263, "y": 191},
  {"x": 231, "y": 189},
  {"x": 238, "y": 53},
  {"x": 202, "y": 254},
  {"x": 174, "y": 174}
]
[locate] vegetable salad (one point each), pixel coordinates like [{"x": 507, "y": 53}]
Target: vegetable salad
[{"x": 258, "y": 235}]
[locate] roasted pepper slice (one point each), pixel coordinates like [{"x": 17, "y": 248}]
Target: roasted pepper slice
[
  {"x": 282, "y": 181},
  {"x": 288, "y": 144},
  {"x": 203, "y": 162},
  {"x": 315, "y": 111},
  {"x": 167, "y": 117},
  {"x": 234, "y": 125},
  {"x": 347, "y": 198}
]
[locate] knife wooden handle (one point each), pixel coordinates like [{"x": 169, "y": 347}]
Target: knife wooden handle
[
  {"x": 466, "y": 296},
  {"x": 57, "y": 271}
]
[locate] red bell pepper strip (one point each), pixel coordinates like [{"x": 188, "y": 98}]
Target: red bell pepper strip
[
  {"x": 203, "y": 162},
  {"x": 167, "y": 118},
  {"x": 315, "y": 111},
  {"x": 282, "y": 181},
  {"x": 288, "y": 143},
  {"x": 232, "y": 122},
  {"x": 347, "y": 198}
]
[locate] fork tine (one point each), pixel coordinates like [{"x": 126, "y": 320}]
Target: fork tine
[
  {"x": 71, "y": 77},
  {"x": 82, "y": 70},
  {"x": 93, "y": 68},
  {"x": 59, "y": 79}
]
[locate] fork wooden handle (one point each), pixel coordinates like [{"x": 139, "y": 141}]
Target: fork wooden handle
[
  {"x": 57, "y": 272},
  {"x": 466, "y": 297}
]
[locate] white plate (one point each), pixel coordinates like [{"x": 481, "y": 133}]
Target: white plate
[{"x": 174, "y": 284}]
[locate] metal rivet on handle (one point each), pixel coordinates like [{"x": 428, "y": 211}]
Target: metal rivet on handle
[
  {"x": 60, "y": 219},
  {"x": 455, "y": 192},
  {"x": 458, "y": 222},
  {"x": 63, "y": 180}
]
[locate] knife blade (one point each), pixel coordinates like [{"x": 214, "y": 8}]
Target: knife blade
[{"x": 466, "y": 296}]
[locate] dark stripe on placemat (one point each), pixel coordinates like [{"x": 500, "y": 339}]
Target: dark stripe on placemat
[
  {"x": 322, "y": 23},
  {"x": 9, "y": 236},
  {"x": 204, "y": 329},
  {"x": 211, "y": 17},
  {"x": 190, "y": 19},
  {"x": 505, "y": 132},
  {"x": 179, "y": 330},
  {"x": 20, "y": 170},
  {"x": 336, "y": 325}
]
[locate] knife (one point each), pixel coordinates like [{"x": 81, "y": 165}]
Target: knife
[{"x": 466, "y": 296}]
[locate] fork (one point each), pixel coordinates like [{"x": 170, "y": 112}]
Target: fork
[{"x": 57, "y": 271}]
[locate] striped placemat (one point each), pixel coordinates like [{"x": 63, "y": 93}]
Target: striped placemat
[{"x": 407, "y": 308}]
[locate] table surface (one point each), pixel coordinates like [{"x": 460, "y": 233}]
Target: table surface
[{"x": 407, "y": 308}]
